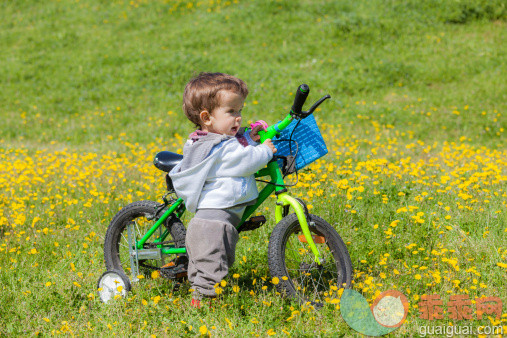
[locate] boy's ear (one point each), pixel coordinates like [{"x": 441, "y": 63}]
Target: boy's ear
[{"x": 205, "y": 117}]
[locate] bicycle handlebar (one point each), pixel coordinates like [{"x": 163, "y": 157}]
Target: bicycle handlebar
[
  {"x": 295, "y": 112},
  {"x": 301, "y": 95}
]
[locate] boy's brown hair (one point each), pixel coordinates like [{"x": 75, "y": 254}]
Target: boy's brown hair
[{"x": 202, "y": 93}]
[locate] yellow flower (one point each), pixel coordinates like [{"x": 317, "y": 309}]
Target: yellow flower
[
  {"x": 236, "y": 275},
  {"x": 235, "y": 288},
  {"x": 418, "y": 276},
  {"x": 203, "y": 330},
  {"x": 228, "y": 323},
  {"x": 275, "y": 280}
]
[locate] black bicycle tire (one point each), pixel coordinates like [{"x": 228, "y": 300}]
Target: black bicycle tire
[
  {"x": 277, "y": 246},
  {"x": 118, "y": 225}
]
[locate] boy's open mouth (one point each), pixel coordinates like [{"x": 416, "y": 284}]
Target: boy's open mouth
[{"x": 234, "y": 129}]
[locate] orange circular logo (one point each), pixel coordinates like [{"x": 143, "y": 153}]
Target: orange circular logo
[{"x": 390, "y": 308}]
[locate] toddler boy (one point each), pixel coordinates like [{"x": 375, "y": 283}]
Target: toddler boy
[{"x": 216, "y": 176}]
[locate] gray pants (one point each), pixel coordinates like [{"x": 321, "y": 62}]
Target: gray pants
[{"x": 211, "y": 243}]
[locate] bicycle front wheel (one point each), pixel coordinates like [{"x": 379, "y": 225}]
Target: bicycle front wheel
[{"x": 292, "y": 261}]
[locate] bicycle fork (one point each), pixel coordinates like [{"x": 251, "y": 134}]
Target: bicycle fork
[{"x": 284, "y": 199}]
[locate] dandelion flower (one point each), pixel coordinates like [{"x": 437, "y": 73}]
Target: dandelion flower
[{"x": 203, "y": 330}]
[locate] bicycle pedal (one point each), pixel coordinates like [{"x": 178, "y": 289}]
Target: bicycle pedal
[
  {"x": 168, "y": 265},
  {"x": 173, "y": 271},
  {"x": 253, "y": 223}
]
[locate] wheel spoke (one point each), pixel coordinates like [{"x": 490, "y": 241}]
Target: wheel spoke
[
  {"x": 126, "y": 240},
  {"x": 138, "y": 231},
  {"x": 126, "y": 262}
]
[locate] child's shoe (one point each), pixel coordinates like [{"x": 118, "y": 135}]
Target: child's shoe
[{"x": 195, "y": 303}]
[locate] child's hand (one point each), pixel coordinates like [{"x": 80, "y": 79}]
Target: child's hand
[
  {"x": 270, "y": 145},
  {"x": 254, "y": 134}
]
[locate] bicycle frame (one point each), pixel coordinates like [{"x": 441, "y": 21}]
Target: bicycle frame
[{"x": 284, "y": 200}]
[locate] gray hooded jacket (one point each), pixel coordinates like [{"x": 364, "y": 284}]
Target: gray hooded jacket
[{"x": 217, "y": 172}]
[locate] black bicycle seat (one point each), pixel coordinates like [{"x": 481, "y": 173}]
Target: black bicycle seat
[{"x": 166, "y": 160}]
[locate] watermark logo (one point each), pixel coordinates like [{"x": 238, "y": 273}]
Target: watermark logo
[
  {"x": 459, "y": 307},
  {"x": 388, "y": 312}
]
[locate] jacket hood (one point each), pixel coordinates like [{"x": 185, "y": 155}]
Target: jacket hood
[{"x": 190, "y": 174}]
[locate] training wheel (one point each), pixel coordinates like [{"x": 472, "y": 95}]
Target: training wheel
[{"x": 112, "y": 283}]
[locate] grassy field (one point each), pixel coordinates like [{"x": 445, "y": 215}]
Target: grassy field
[{"x": 414, "y": 182}]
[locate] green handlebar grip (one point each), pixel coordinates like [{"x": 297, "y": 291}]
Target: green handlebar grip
[
  {"x": 275, "y": 129},
  {"x": 267, "y": 134}
]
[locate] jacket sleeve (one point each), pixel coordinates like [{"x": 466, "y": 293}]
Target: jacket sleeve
[{"x": 237, "y": 160}]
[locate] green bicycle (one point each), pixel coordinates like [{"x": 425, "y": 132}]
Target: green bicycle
[{"x": 305, "y": 252}]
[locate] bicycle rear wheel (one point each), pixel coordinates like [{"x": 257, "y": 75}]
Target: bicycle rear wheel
[
  {"x": 291, "y": 260},
  {"x": 142, "y": 215}
]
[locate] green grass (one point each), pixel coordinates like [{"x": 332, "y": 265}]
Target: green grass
[
  {"x": 69, "y": 59},
  {"x": 91, "y": 90}
]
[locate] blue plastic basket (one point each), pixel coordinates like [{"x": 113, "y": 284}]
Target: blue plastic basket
[{"x": 310, "y": 144}]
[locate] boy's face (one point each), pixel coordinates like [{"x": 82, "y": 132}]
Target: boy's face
[{"x": 226, "y": 118}]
